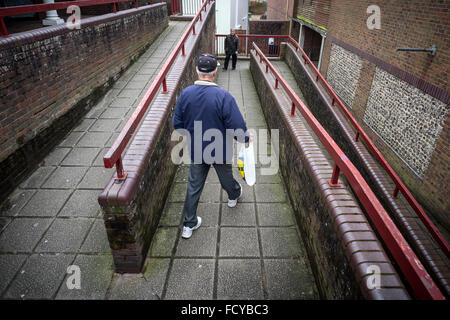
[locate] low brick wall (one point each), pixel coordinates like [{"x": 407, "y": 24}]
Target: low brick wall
[
  {"x": 341, "y": 131},
  {"x": 340, "y": 242},
  {"x": 132, "y": 209},
  {"x": 52, "y": 76}
]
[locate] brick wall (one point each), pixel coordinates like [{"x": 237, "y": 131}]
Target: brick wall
[
  {"x": 319, "y": 102},
  {"x": 51, "y": 76},
  {"x": 420, "y": 79},
  {"x": 132, "y": 209},
  {"x": 343, "y": 73},
  {"x": 279, "y": 9},
  {"x": 317, "y": 11},
  {"x": 272, "y": 27},
  {"x": 338, "y": 237}
]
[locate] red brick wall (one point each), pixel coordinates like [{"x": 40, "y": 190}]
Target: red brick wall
[
  {"x": 412, "y": 23},
  {"x": 43, "y": 75},
  {"x": 317, "y": 11},
  {"x": 50, "y": 76},
  {"x": 272, "y": 27},
  {"x": 279, "y": 9}
]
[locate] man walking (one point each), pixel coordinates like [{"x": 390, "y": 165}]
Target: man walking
[
  {"x": 231, "y": 49},
  {"x": 202, "y": 109}
]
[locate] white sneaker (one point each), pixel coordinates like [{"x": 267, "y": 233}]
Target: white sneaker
[
  {"x": 187, "y": 232},
  {"x": 233, "y": 203}
]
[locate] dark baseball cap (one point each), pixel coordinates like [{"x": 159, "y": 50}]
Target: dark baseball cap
[{"x": 207, "y": 63}]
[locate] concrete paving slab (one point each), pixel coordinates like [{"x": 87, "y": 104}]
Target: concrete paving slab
[
  {"x": 98, "y": 162},
  {"x": 281, "y": 242},
  {"x": 4, "y": 221},
  {"x": 56, "y": 156},
  {"x": 191, "y": 279},
  {"x": 119, "y": 102},
  {"x": 112, "y": 139},
  {"x": 182, "y": 174},
  {"x": 82, "y": 203},
  {"x": 9, "y": 265},
  {"x": 45, "y": 203},
  {"x": 65, "y": 235},
  {"x": 211, "y": 193},
  {"x": 16, "y": 202},
  {"x": 81, "y": 157},
  {"x": 146, "y": 286},
  {"x": 85, "y": 124},
  {"x": 248, "y": 194},
  {"x": 209, "y": 213},
  {"x": 104, "y": 125},
  {"x": 96, "y": 276},
  {"x": 172, "y": 215},
  {"x": 94, "y": 139},
  {"x": 238, "y": 242},
  {"x": 40, "y": 277},
  {"x": 65, "y": 178},
  {"x": 239, "y": 279},
  {"x": 241, "y": 215},
  {"x": 114, "y": 113},
  {"x": 163, "y": 242},
  {"x": 129, "y": 93},
  {"x": 203, "y": 243},
  {"x": 37, "y": 178},
  {"x": 270, "y": 193},
  {"x": 96, "y": 178},
  {"x": 97, "y": 240},
  {"x": 71, "y": 139},
  {"x": 178, "y": 192},
  {"x": 289, "y": 279},
  {"x": 275, "y": 214},
  {"x": 22, "y": 234}
]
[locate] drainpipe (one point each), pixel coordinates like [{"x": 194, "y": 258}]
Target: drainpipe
[{"x": 321, "y": 51}]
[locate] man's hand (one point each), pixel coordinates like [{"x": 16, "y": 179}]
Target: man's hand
[{"x": 236, "y": 52}]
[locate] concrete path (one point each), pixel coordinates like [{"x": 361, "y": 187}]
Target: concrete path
[
  {"x": 53, "y": 219},
  {"x": 253, "y": 251}
]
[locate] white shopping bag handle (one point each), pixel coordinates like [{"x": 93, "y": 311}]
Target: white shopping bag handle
[{"x": 249, "y": 164}]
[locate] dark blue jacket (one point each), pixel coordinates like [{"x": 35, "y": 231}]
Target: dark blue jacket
[{"x": 213, "y": 108}]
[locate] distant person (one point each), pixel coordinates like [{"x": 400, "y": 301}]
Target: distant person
[
  {"x": 205, "y": 107},
  {"x": 231, "y": 49}
]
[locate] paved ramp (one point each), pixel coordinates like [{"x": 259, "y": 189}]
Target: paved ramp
[
  {"x": 53, "y": 219},
  {"x": 253, "y": 251}
]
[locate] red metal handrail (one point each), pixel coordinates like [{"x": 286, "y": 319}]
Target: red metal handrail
[
  {"x": 33, "y": 8},
  {"x": 399, "y": 185},
  {"x": 114, "y": 154},
  {"x": 421, "y": 282},
  {"x": 250, "y": 36}
]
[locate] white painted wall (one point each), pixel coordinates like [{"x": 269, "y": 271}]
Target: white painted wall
[
  {"x": 191, "y": 7},
  {"x": 223, "y": 16}
]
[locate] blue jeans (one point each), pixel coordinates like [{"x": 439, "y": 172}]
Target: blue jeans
[{"x": 196, "y": 182}]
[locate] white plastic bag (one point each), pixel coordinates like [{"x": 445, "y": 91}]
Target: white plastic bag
[{"x": 248, "y": 157}]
